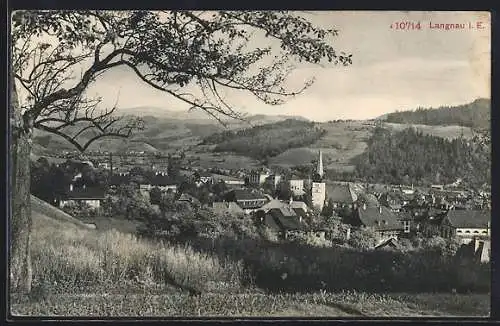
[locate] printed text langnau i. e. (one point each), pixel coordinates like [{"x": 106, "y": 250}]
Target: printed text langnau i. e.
[{"x": 449, "y": 26}]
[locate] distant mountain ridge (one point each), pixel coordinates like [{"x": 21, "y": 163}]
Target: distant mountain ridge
[
  {"x": 476, "y": 114},
  {"x": 164, "y": 129},
  {"x": 200, "y": 116}
]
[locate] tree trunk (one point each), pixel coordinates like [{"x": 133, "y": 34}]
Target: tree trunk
[{"x": 21, "y": 223}]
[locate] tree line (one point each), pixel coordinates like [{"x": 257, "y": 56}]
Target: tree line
[
  {"x": 475, "y": 115},
  {"x": 267, "y": 140},
  {"x": 409, "y": 156}
]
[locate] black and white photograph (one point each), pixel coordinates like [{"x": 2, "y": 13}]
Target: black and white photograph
[{"x": 293, "y": 164}]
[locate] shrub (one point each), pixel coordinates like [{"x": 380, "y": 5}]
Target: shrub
[{"x": 363, "y": 238}]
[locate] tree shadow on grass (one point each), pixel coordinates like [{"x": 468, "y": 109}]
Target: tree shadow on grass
[{"x": 294, "y": 267}]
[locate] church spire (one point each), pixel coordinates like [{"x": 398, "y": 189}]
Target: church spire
[{"x": 319, "y": 169}]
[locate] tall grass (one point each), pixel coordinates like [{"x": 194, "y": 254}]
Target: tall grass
[
  {"x": 292, "y": 267},
  {"x": 69, "y": 258}
]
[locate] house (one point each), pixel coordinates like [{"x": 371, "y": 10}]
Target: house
[
  {"x": 298, "y": 205},
  {"x": 202, "y": 178},
  {"x": 206, "y": 178},
  {"x": 118, "y": 180},
  {"x": 228, "y": 180},
  {"x": 188, "y": 199},
  {"x": 385, "y": 222},
  {"x": 258, "y": 177},
  {"x": 407, "y": 190},
  {"x": 466, "y": 224},
  {"x": 285, "y": 221},
  {"x": 249, "y": 201},
  {"x": 163, "y": 182},
  {"x": 273, "y": 203},
  {"x": 92, "y": 196},
  {"x": 104, "y": 165},
  {"x": 341, "y": 195},
  {"x": 437, "y": 187},
  {"x": 296, "y": 186},
  {"x": 431, "y": 222},
  {"x": 408, "y": 222},
  {"x": 273, "y": 180},
  {"x": 388, "y": 244}
]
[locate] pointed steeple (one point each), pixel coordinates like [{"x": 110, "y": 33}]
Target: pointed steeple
[{"x": 319, "y": 169}]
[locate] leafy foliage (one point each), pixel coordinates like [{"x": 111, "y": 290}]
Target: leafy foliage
[
  {"x": 167, "y": 50},
  {"x": 363, "y": 238}
]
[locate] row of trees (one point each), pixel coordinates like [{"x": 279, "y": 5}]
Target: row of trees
[
  {"x": 409, "y": 157},
  {"x": 476, "y": 115}
]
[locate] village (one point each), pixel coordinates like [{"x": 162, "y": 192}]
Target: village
[{"x": 287, "y": 202}]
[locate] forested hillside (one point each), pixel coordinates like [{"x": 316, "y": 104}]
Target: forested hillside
[
  {"x": 475, "y": 115},
  {"x": 268, "y": 140},
  {"x": 409, "y": 156}
]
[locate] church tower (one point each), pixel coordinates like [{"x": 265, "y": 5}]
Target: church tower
[
  {"x": 319, "y": 169},
  {"x": 318, "y": 190}
]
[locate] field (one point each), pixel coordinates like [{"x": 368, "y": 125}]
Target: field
[
  {"x": 342, "y": 142},
  {"x": 206, "y": 159},
  {"x": 448, "y": 132},
  {"x": 104, "y": 272}
]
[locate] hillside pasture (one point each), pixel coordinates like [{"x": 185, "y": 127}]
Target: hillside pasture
[
  {"x": 228, "y": 161},
  {"x": 342, "y": 142},
  {"x": 448, "y": 132}
]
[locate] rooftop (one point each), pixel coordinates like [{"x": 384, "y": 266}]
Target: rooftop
[
  {"x": 381, "y": 218},
  {"x": 469, "y": 218},
  {"x": 340, "y": 193},
  {"x": 87, "y": 193}
]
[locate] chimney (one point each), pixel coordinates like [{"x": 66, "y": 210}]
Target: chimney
[{"x": 70, "y": 187}]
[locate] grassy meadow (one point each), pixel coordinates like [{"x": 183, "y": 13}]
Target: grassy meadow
[{"x": 84, "y": 272}]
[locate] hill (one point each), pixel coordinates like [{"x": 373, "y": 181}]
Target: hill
[
  {"x": 340, "y": 143},
  {"x": 264, "y": 141},
  {"x": 200, "y": 117},
  {"x": 409, "y": 156},
  {"x": 45, "y": 211},
  {"x": 476, "y": 114},
  {"x": 448, "y": 132},
  {"x": 164, "y": 130}
]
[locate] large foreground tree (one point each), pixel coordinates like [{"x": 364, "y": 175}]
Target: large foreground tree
[{"x": 192, "y": 56}]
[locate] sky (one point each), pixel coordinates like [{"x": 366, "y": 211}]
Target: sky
[{"x": 392, "y": 69}]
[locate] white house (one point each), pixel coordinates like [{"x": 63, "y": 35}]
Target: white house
[
  {"x": 466, "y": 224},
  {"x": 91, "y": 196},
  {"x": 296, "y": 186}
]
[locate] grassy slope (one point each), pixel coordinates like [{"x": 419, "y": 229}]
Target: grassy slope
[
  {"x": 448, "y": 132},
  {"x": 82, "y": 272},
  {"x": 346, "y": 140},
  {"x": 343, "y": 141}
]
